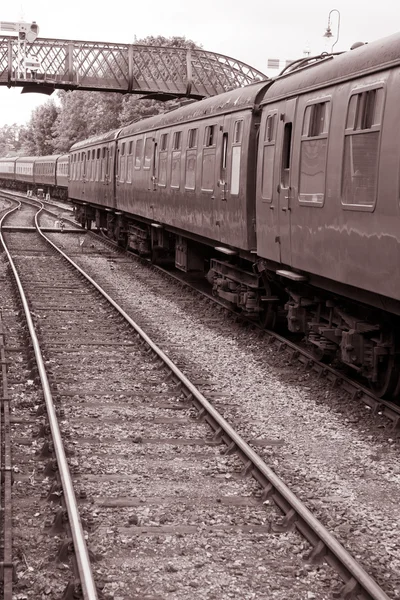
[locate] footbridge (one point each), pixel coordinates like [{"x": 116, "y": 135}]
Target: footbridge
[{"x": 153, "y": 71}]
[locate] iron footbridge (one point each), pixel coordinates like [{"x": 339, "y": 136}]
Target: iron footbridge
[{"x": 153, "y": 71}]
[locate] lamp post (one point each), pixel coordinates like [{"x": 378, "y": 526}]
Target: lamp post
[{"x": 328, "y": 33}]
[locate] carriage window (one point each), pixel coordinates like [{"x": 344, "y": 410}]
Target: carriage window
[
  {"x": 104, "y": 152},
  {"x": 313, "y": 154},
  {"x": 164, "y": 141},
  {"x": 286, "y": 155},
  {"x": 365, "y": 109},
  {"x": 361, "y": 149},
  {"x": 98, "y": 153},
  {"x": 123, "y": 149},
  {"x": 270, "y": 128},
  {"x": 268, "y": 157},
  {"x": 93, "y": 154},
  {"x": 315, "y": 119},
  {"x": 176, "y": 143},
  {"x": 148, "y": 153},
  {"x": 237, "y": 132},
  {"x": 138, "y": 153},
  {"x": 209, "y": 135},
  {"x": 88, "y": 154},
  {"x": 130, "y": 147},
  {"x": 192, "y": 138}
]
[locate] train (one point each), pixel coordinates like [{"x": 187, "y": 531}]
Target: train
[
  {"x": 285, "y": 194},
  {"x": 47, "y": 173}
]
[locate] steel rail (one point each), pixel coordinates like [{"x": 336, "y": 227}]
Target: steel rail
[
  {"x": 369, "y": 586},
  {"x": 81, "y": 551},
  {"x": 7, "y": 566}
]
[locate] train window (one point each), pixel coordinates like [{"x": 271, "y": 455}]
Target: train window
[
  {"x": 130, "y": 148},
  {"x": 270, "y": 128},
  {"x": 360, "y": 169},
  {"x": 190, "y": 168},
  {"x": 209, "y": 135},
  {"x": 315, "y": 119},
  {"x": 98, "y": 153},
  {"x": 123, "y": 149},
  {"x": 93, "y": 154},
  {"x": 164, "y": 141},
  {"x": 148, "y": 153},
  {"x": 88, "y": 154},
  {"x": 138, "y": 153},
  {"x": 313, "y": 154},
  {"x": 176, "y": 142},
  {"x": 268, "y": 158},
  {"x": 237, "y": 132},
  {"x": 175, "y": 169},
  {"x": 286, "y": 155},
  {"x": 162, "y": 168},
  {"x": 365, "y": 109},
  {"x": 361, "y": 149},
  {"x": 192, "y": 138}
]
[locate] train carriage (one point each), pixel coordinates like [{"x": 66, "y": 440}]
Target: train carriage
[
  {"x": 62, "y": 175},
  {"x": 92, "y": 171},
  {"x": 190, "y": 168},
  {"x": 24, "y": 171},
  {"x": 328, "y": 205},
  {"x": 45, "y": 172},
  {"x": 7, "y": 171}
]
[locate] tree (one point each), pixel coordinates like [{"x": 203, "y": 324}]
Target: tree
[
  {"x": 38, "y": 138},
  {"x": 10, "y": 139},
  {"x": 83, "y": 114}
]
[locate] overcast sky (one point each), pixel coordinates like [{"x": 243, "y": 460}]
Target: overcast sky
[{"x": 248, "y": 31}]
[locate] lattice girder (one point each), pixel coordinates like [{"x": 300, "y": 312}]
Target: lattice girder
[{"x": 126, "y": 68}]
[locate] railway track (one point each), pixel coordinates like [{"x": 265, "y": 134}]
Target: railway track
[
  {"x": 149, "y": 516},
  {"x": 354, "y": 388}
]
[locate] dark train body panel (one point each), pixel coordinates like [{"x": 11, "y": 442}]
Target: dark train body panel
[
  {"x": 92, "y": 170},
  {"x": 24, "y": 169},
  {"x": 62, "y": 171}
]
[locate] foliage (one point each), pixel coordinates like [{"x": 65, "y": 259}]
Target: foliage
[
  {"x": 10, "y": 139},
  {"x": 38, "y": 138},
  {"x": 83, "y": 114}
]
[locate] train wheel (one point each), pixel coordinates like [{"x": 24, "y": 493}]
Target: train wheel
[{"x": 388, "y": 384}]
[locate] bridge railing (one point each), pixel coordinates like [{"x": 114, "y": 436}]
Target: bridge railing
[{"x": 127, "y": 68}]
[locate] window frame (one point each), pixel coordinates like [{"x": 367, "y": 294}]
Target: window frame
[
  {"x": 138, "y": 165},
  {"x": 314, "y": 132},
  {"x": 353, "y": 130}
]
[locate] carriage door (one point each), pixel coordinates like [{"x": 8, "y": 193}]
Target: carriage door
[{"x": 284, "y": 178}]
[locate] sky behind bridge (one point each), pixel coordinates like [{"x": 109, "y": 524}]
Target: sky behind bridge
[{"x": 252, "y": 32}]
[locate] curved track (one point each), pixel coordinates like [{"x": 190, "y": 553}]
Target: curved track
[{"x": 295, "y": 513}]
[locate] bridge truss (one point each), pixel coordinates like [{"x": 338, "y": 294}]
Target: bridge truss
[{"x": 153, "y": 71}]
